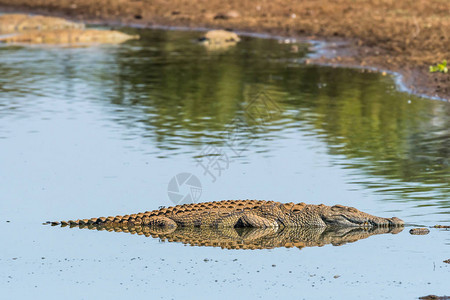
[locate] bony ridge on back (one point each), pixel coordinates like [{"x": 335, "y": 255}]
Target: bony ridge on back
[{"x": 246, "y": 213}]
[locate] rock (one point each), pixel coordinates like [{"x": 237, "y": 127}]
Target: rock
[
  {"x": 70, "y": 36},
  {"x": 219, "y": 39},
  {"x": 232, "y": 14},
  {"x": 434, "y": 297},
  {"x": 441, "y": 226},
  {"x": 419, "y": 231},
  {"x": 19, "y": 23}
]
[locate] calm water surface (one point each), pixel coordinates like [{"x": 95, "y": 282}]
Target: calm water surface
[{"x": 102, "y": 130}]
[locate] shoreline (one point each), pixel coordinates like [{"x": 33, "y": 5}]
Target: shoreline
[{"x": 335, "y": 51}]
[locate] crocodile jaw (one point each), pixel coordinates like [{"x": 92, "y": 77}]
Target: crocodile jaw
[{"x": 339, "y": 215}]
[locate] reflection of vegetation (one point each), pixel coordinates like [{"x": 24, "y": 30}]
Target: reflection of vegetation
[
  {"x": 184, "y": 95},
  {"x": 397, "y": 139},
  {"x": 198, "y": 93},
  {"x": 381, "y": 132},
  {"x": 183, "y": 86},
  {"x": 398, "y": 136}
]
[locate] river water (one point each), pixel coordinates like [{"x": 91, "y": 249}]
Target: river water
[{"x": 99, "y": 131}]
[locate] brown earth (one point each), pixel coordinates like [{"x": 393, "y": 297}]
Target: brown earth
[{"x": 405, "y": 36}]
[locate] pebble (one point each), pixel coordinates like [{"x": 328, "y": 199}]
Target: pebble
[
  {"x": 419, "y": 231},
  {"x": 441, "y": 226}
]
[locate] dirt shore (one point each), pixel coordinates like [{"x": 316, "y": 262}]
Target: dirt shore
[{"x": 405, "y": 36}]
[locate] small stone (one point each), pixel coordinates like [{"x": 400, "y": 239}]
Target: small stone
[
  {"x": 232, "y": 14},
  {"x": 419, "y": 231},
  {"x": 220, "y": 37},
  {"x": 441, "y": 226},
  {"x": 433, "y": 297}
]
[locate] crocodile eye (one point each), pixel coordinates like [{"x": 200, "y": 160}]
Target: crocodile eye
[{"x": 337, "y": 207}]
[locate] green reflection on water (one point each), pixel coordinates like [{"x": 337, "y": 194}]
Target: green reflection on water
[
  {"x": 185, "y": 96},
  {"x": 388, "y": 134}
]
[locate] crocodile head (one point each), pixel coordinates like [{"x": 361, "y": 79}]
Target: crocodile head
[{"x": 340, "y": 215}]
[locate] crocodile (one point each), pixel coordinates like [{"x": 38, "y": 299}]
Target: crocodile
[
  {"x": 246, "y": 213},
  {"x": 249, "y": 238}
]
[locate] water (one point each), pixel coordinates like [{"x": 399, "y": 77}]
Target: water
[{"x": 101, "y": 131}]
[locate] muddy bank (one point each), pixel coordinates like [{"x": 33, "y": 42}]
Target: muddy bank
[{"x": 402, "y": 36}]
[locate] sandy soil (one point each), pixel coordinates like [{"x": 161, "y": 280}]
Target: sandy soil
[{"x": 405, "y": 36}]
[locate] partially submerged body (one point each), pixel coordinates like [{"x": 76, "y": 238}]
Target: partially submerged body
[{"x": 247, "y": 213}]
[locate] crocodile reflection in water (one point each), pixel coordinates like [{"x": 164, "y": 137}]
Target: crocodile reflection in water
[{"x": 250, "y": 238}]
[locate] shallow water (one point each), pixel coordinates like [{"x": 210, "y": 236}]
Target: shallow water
[{"x": 100, "y": 131}]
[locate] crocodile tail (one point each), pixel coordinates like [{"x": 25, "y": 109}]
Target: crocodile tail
[
  {"x": 132, "y": 219},
  {"x": 100, "y": 220}
]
